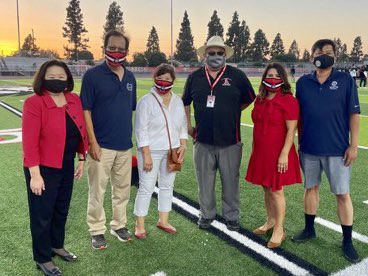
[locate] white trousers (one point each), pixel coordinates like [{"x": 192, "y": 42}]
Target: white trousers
[{"x": 147, "y": 183}]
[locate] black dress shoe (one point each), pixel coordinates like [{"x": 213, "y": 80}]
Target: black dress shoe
[
  {"x": 350, "y": 253},
  {"x": 204, "y": 223},
  {"x": 304, "y": 236},
  {"x": 53, "y": 272},
  {"x": 232, "y": 225},
  {"x": 69, "y": 257}
]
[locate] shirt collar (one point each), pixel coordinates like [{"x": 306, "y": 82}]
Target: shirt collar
[
  {"x": 107, "y": 69},
  {"x": 333, "y": 74},
  {"x": 203, "y": 70},
  {"x": 46, "y": 97},
  {"x": 153, "y": 90}
]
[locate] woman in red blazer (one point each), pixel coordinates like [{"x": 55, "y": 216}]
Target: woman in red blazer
[{"x": 53, "y": 130}]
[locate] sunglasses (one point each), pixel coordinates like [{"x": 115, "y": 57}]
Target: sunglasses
[
  {"x": 115, "y": 49},
  {"x": 220, "y": 53}
]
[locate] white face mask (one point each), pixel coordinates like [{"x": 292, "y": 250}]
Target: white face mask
[{"x": 215, "y": 61}]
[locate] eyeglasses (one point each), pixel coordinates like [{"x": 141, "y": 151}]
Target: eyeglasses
[
  {"x": 115, "y": 49},
  {"x": 220, "y": 53}
]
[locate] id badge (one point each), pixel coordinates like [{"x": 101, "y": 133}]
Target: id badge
[{"x": 211, "y": 101}]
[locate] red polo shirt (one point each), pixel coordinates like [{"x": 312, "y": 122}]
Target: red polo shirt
[{"x": 44, "y": 129}]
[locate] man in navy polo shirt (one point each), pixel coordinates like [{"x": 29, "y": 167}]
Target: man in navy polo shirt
[
  {"x": 219, "y": 93},
  {"x": 108, "y": 96},
  {"x": 330, "y": 110}
]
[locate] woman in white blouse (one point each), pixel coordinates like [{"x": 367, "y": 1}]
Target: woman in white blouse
[{"x": 153, "y": 146}]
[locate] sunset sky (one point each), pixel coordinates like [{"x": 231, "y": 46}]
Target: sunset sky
[{"x": 305, "y": 21}]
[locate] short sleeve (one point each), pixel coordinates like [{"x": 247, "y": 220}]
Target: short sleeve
[
  {"x": 291, "y": 108},
  {"x": 352, "y": 97},
  {"x": 87, "y": 94},
  {"x": 187, "y": 95},
  {"x": 246, "y": 89}
]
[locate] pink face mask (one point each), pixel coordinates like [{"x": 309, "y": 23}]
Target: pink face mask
[
  {"x": 115, "y": 59},
  {"x": 163, "y": 87},
  {"x": 272, "y": 84}
]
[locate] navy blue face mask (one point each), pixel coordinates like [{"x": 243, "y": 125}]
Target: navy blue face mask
[{"x": 323, "y": 61}]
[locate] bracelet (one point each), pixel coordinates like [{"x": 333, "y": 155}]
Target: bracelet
[{"x": 81, "y": 159}]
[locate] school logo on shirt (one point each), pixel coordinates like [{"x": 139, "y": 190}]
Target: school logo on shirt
[
  {"x": 334, "y": 86},
  {"x": 129, "y": 87},
  {"x": 226, "y": 82}
]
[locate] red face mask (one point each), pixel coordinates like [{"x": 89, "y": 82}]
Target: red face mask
[
  {"x": 273, "y": 85},
  {"x": 163, "y": 87},
  {"x": 115, "y": 59}
]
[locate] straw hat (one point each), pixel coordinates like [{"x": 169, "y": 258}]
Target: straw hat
[{"x": 215, "y": 41}]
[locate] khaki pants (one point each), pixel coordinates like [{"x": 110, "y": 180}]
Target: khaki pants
[{"x": 116, "y": 165}]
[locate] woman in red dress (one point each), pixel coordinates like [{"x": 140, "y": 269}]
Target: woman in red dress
[{"x": 274, "y": 162}]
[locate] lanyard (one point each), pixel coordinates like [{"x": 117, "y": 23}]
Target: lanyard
[{"x": 212, "y": 86}]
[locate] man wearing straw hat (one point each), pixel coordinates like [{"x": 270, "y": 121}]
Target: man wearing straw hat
[{"x": 219, "y": 93}]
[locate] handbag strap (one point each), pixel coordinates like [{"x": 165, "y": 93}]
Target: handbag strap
[{"x": 166, "y": 122}]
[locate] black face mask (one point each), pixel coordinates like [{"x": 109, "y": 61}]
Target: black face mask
[
  {"x": 55, "y": 86},
  {"x": 323, "y": 61}
]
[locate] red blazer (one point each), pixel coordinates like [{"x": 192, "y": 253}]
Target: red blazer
[{"x": 44, "y": 129}]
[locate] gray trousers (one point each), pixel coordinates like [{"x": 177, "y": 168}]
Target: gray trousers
[{"x": 207, "y": 159}]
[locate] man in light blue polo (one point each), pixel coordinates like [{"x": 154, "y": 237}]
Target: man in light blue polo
[{"x": 330, "y": 110}]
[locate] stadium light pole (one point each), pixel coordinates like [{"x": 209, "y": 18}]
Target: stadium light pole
[
  {"x": 18, "y": 29},
  {"x": 171, "y": 20}
]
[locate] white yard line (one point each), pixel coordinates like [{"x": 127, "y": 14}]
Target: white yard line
[
  {"x": 256, "y": 247},
  {"x": 10, "y": 130},
  {"x": 10, "y": 108},
  {"x": 359, "y": 269},
  {"x": 247, "y": 125},
  {"x": 366, "y": 202},
  {"x": 337, "y": 228}
]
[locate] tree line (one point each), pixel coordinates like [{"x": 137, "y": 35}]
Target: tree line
[{"x": 238, "y": 37}]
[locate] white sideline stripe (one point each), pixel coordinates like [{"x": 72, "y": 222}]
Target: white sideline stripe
[
  {"x": 10, "y": 108},
  {"x": 337, "y": 228},
  {"x": 359, "y": 269},
  {"x": 10, "y": 130},
  {"x": 366, "y": 202},
  {"x": 260, "y": 249},
  {"x": 248, "y": 125},
  {"x": 159, "y": 273}
]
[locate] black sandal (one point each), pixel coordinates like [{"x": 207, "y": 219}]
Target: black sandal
[
  {"x": 53, "y": 272},
  {"x": 69, "y": 257}
]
